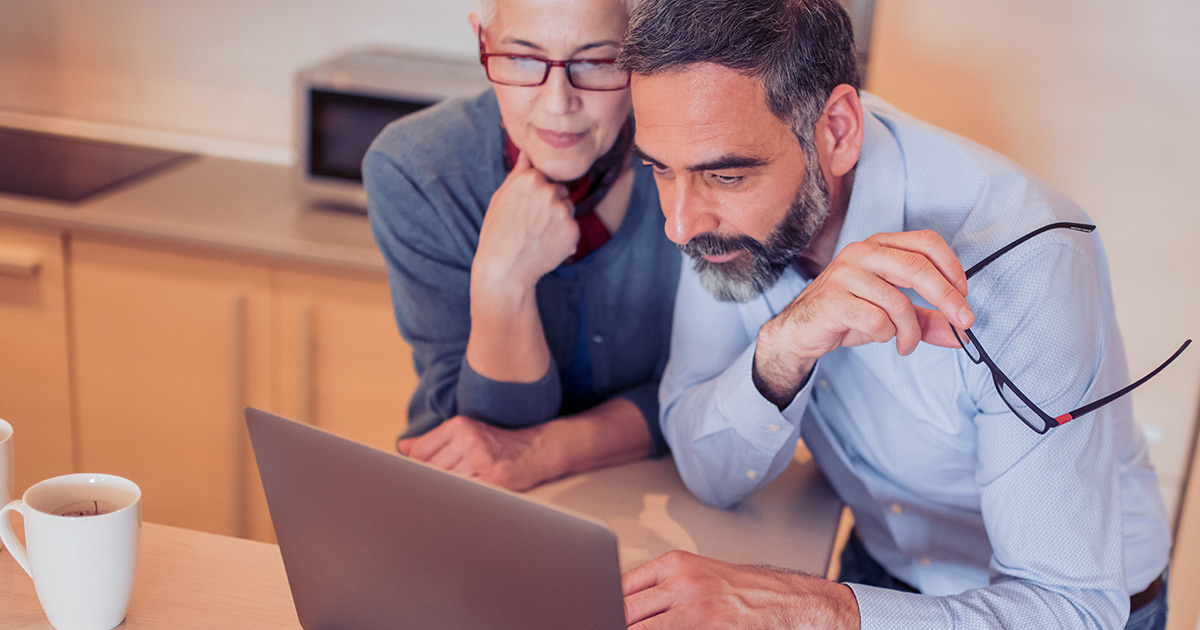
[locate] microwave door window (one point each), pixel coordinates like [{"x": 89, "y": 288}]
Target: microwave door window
[{"x": 343, "y": 126}]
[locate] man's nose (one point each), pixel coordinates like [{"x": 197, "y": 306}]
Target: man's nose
[{"x": 686, "y": 212}]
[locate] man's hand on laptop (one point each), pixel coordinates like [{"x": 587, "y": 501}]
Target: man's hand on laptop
[
  {"x": 679, "y": 590},
  {"x": 474, "y": 449}
]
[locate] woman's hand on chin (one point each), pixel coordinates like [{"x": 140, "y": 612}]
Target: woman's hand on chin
[{"x": 529, "y": 229}]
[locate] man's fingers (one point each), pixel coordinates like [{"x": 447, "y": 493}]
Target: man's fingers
[
  {"x": 645, "y": 604},
  {"x": 935, "y": 329},
  {"x": 933, "y": 247},
  {"x": 868, "y": 306},
  {"x": 910, "y": 325},
  {"x": 640, "y": 578},
  {"x": 914, "y": 270},
  {"x": 644, "y": 595},
  {"x": 882, "y": 311},
  {"x": 670, "y": 619}
]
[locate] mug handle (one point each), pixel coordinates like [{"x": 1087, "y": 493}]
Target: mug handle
[{"x": 11, "y": 543}]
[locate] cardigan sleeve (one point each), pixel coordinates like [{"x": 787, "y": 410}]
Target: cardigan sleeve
[{"x": 428, "y": 241}]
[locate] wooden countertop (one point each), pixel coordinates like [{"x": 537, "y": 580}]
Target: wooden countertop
[
  {"x": 790, "y": 522},
  {"x": 231, "y": 205},
  {"x": 193, "y": 580},
  {"x": 185, "y": 579}
]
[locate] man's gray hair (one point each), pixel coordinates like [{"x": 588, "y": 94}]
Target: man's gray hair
[
  {"x": 798, "y": 49},
  {"x": 486, "y": 9}
]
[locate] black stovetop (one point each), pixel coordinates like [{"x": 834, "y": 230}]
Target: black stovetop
[{"x": 65, "y": 168}]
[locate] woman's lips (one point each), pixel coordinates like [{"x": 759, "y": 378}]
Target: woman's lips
[{"x": 559, "y": 139}]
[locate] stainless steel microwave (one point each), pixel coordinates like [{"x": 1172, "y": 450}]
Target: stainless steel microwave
[{"x": 343, "y": 103}]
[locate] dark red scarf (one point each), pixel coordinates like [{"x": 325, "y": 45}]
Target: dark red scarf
[{"x": 587, "y": 191}]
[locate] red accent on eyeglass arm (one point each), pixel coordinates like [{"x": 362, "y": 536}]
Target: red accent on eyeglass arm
[{"x": 1063, "y": 419}]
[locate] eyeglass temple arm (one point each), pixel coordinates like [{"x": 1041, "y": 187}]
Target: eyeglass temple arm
[
  {"x": 1092, "y": 406},
  {"x": 1079, "y": 227}
]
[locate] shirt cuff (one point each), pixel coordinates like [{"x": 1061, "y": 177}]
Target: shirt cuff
[
  {"x": 756, "y": 419},
  {"x": 885, "y": 609},
  {"x": 510, "y": 405}
]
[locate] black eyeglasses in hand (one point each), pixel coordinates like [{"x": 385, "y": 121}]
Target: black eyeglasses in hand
[{"x": 1018, "y": 402}]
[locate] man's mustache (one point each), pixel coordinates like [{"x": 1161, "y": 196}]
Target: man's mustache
[{"x": 709, "y": 244}]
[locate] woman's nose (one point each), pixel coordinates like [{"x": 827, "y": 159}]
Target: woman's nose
[{"x": 558, "y": 95}]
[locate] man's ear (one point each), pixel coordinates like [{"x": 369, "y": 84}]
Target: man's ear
[
  {"x": 839, "y": 131},
  {"x": 473, "y": 18}
]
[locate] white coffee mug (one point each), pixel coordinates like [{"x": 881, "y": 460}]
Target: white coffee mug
[
  {"x": 6, "y": 464},
  {"x": 81, "y": 535}
]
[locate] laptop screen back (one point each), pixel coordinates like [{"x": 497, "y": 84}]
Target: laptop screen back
[{"x": 374, "y": 540}]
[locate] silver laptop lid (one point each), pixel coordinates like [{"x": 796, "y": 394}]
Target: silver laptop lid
[{"x": 374, "y": 540}]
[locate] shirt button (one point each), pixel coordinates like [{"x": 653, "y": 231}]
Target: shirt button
[
  {"x": 753, "y": 474},
  {"x": 926, "y": 562},
  {"x": 897, "y": 508},
  {"x": 823, "y": 384},
  {"x": 598, "y": 338},
  {"x": 773, "y": 428}
]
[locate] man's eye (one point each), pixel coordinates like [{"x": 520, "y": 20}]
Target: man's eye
[
  {"x": 658, "y": 169},
  {"x": 727, "y": 180}
]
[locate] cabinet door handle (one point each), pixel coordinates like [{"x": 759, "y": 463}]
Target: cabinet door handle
[
  {"x": 21, "y": 263},
  {"x": 307, "y": 404},
  {"x": 237, "y": 389}
]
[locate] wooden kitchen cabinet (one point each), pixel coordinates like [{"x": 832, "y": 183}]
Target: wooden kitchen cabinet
[
  {"x": 338, "y": 362},
  {"x": 169, "y": 348},
  {"x": 34, "y": 373}
]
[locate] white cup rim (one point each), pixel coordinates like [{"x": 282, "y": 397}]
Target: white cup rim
[
  {"x": 6, "y": 431},
  {"x": 72, "y": 479}
]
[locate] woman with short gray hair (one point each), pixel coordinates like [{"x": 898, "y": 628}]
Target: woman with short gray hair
[{"x": 526, "y": 254}]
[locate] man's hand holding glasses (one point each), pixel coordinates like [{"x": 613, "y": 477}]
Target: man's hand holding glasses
[{"x": 856, "y": 300}]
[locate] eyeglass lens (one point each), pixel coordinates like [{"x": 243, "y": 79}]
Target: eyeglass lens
[
  {"x": 1029, "y": 413},
  {"x": 582, "y": 73},
  {"x": 1012, "y": 398},
  {"x": 967, "y": 345},
  {"x": 1019, "y": 406}
]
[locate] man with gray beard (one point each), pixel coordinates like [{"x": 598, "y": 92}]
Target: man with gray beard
[
  {"x": 822, "y": 225},
  {"x": 742, "y": 279}
]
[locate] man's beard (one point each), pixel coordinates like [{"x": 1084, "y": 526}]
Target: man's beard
[{"x": 746, "y": 277}]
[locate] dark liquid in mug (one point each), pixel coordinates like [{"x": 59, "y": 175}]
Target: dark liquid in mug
[{"x": 83, "y": 508}]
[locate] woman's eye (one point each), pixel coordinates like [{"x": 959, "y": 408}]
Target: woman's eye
[{"x": 527, "y": 64}]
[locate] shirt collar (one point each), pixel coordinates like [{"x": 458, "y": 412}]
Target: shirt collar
[{"x": 876, "y": 205}]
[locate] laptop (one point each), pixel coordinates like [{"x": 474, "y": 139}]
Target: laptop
[{"x": 375, "y": 540}]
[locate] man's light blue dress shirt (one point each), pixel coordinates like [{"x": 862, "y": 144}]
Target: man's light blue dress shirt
[{"x": 996, "y": 525}]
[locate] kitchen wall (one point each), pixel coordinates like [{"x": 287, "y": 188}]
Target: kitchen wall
[
  {"x": 1101, "y": 100},
  {"x": 1098, "y": 98},
  {"x": 208, "y": 75}
]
